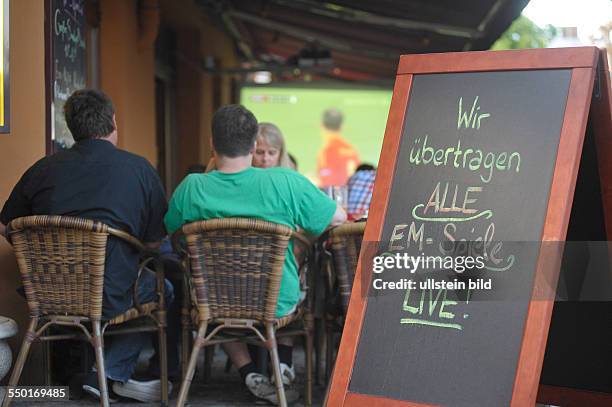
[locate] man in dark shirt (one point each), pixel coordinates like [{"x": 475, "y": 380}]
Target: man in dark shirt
[{"x": 98, "y": 181}]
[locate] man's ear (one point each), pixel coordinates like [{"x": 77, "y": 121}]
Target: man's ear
[{"x": 113, "y": 137}]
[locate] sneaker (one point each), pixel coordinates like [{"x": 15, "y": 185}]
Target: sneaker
[
  {"x": 147, "y": 376},
  {"x": 287, "y": 374},
  {"x": 260, "y": 387},
  {"x": 145, "y": 391},
  {"x": 91, "y": 387}
]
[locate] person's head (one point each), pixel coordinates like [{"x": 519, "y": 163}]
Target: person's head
[
  {"x": 332, "y": 119},
  {"x": 365, "y": 167},
  {"x": 270, "y": 150},
  {"x": 90, "y": 114},
  {"x": 234, "y": 129}
]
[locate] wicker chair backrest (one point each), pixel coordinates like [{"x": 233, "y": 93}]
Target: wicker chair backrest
[
  {"x": 345, "y": 247},
  {"x": 236, "y": 267},
  {"x": 61, "y": 261}
]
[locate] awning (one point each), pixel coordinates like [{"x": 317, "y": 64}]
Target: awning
[{"x": 364, "y": 38}]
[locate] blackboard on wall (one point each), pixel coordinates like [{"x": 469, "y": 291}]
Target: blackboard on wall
[
  {"x": 399, "y": 348},
  {"x": 68, "y": 62}
]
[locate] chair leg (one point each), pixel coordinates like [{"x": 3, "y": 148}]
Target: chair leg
[
  {"x": 329, "y": 348},
  {"x": 21, "y": 359},
  {"x": 47, "y": 355},
  {"x": 188, "y": 377},
  {"x": 186, "y": 328},
  {"x": 97, "y": 342},
  {"x": 185, "y": 349},
  {"x": 163, "y": 365},
  {"x": 309, "y": 346},
  {"x": 278, "y": 380},
  {"x": 319, "y": 337}
]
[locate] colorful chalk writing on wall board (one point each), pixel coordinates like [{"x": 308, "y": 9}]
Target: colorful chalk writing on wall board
[
  {"x": 473, "y": 171},
  {"x": 69, "y": 61}
]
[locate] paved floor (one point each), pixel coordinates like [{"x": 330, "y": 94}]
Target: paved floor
[{"x": 222, "y": 390}]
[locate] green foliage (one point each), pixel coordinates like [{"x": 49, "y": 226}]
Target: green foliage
[{"x": 523, "y": 33}]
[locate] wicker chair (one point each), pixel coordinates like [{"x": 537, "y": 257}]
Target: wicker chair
[
  {"x": 342, "y": 251},
  {"x": 61, "y": 261},
  {"x": 235, "y": 267}
]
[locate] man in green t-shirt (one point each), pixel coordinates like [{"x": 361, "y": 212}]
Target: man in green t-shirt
[{"x": 236, "y": 189}]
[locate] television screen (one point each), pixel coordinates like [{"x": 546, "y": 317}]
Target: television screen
[{"x": 328, "y": 130}]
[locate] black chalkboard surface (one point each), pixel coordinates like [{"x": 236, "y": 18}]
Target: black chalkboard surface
[
  {"x": 480, "y": 158},
  {"x": 69, "y": 60},
  {"x": 470, "y": 358}
]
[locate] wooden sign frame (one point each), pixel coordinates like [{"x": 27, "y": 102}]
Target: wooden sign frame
[
  {"x": 583, "y": 62},
  {"x": 601, "y": 120}
]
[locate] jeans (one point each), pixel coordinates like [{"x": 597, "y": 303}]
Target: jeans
[
  {"x": 121, "y": 351},
  {"x": 174, "y": 273}
]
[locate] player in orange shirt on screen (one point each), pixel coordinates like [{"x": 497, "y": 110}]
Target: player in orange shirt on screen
[{"x": 337, "y": 158}]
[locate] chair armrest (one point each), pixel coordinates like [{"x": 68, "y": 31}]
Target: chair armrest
[
  {"x": 179, "y": 246},
  {"x": 134, "y": 242},
  {"x": 302, "y": 249},
  {"x": 178, "y": 243},
  {"x": 303, "y": 241},
  {"x": 158, "y": 268},
  {"x": 148, "y": 256}
]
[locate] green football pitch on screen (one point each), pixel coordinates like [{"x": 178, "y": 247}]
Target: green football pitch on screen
[{"x": 298, "y": 111}]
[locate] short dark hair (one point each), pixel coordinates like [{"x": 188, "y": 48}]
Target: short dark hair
[
  {"x": 234, "y": 129},
  {"x": 365, "y": 167},
  {"x": 332, "y": 119},
  {"x": 89, "y": 114}
]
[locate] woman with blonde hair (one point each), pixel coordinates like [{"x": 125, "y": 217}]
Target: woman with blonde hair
[{"x": 270, "y": 150}]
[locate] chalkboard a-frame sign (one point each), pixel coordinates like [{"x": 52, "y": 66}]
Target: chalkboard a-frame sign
[{"x": 525, "y": 113}]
